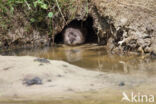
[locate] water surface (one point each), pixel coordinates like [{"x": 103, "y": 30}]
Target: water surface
[{"x": 92, "y": 57}]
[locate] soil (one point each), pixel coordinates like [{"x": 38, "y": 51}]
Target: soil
[
  {"x": 124, "y": 26},
  {"x": 132, "y": 24},
  {"x": 31, "y": 78}
]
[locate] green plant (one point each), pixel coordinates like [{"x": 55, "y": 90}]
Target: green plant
[
  {"x": 43, "y": 15},
  {"x": 41, "y": 4},
  {"x": 50, "y": 16}
]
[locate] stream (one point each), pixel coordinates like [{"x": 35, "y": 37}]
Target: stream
[
  {"x": 96, "y": 58},
  {"x": 91, "y": 57}
]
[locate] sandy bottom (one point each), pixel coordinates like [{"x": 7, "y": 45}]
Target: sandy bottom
[{"x": 65, "y": 83}]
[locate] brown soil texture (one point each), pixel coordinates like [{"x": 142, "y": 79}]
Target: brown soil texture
[
  {"x": 130, "y": 24},
  {"x": 123, "y": 25}
]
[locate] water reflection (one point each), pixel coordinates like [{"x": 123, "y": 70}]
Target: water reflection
[
  {"x": 73, "y": 55},
  {"x": 93, "y": 57}
]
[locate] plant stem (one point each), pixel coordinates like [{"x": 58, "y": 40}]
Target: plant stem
[
  {"x": 27, "y": 4},
  {"x": 60, "y": 11}
]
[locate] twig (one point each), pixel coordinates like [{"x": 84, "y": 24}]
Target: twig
[
  {"x": 27, "y": 4},
  {"x": 61, "y": 12}
]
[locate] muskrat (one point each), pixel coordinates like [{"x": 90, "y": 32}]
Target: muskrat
[{"x": 74, "y": 36}]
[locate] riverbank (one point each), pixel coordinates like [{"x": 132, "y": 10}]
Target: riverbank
[
  {"x": 122, "y": 26},
  {"x": 29, "y": 78}
]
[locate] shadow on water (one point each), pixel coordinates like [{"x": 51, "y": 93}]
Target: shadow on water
[{"x": 92, "y": 57}]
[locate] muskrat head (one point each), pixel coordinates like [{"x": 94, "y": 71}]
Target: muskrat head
[{"x": 73, "y": 36}]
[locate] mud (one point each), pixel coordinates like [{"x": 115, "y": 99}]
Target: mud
[
  {"x": 123, "y": 26},
  {"x": 26, "y": 82},
  {"x": 129, "y": 25}
]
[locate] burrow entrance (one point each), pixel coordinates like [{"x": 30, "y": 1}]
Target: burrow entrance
[{"x": 87, "y": 26}]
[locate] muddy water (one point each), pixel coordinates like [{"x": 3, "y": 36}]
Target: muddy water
[{"x": 92, "y": 57}]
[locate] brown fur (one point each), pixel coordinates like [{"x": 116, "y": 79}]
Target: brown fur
[{"x": 73, "y": 36}]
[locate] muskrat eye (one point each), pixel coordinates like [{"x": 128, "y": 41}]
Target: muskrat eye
[
  {"x": 71, "y": 33},
  {"x": 75, "y": 35}
]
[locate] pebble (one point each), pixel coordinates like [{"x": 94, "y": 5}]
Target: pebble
[{"x": 33, "y": 81}]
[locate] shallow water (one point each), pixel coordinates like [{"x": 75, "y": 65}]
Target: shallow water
[{"x": 92, "y": 57}]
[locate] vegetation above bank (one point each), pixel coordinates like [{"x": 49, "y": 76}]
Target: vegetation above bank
[
  {"x": 123, "y": 26},
  {"x": 40, "y": 17}
]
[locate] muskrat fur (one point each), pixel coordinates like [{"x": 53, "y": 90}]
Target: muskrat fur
[{"x": 74, "y": 36}]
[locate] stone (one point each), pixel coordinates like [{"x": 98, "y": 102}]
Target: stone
[{"x": 32, "y": 81}]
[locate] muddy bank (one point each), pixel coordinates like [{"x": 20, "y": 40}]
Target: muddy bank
[
  {"x": 31, "y": 78},
  {"x": 124, "y": 26},
  {"x": 129, "y": 26}
]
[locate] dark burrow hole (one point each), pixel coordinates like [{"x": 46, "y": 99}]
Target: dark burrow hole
[{"x": 87, "y": 26}]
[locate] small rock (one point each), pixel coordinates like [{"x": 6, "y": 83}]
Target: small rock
[
  {"x": 7, "y": 68},
  {"x": 64, "y": 65},
  {"x": 41, "y": 64},
  {"x": 42, "y": 60},
  {"x": 59, "y": 75},
  {"x": 69, "y": 89},
  {"x": 91, "y": 84},
  {"x": 49, "y": 80},
  {"x": 33, "y": 81},
  {"x": 121, "y": 84}
]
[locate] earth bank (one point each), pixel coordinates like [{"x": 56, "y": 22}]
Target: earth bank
[{"x": 123, "y": 26}]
